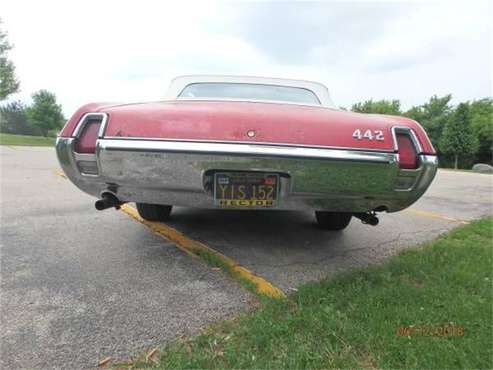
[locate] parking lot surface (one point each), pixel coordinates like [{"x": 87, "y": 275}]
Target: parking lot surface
[{"x": 78, "y": 285}]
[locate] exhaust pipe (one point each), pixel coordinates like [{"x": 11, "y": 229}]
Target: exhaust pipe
[
  {"x": 107, "y": 200},
  {"x": 369, "y": 218}
]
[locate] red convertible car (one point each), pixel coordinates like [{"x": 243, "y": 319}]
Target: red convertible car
[{"x": 247, "y": 143}]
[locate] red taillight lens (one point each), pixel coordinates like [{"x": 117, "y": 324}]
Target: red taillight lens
[
  {"x": 408, "y": 158},
  {"x": 86, "y": 143}
]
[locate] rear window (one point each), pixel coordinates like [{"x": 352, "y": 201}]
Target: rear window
[{"x": 246, "y": 91}]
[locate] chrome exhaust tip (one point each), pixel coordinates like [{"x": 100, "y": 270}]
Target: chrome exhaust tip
[
  {"x": 369, "y": 218},
  {"x": 108, "y": 200}
]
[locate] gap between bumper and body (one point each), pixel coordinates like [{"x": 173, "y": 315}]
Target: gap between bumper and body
[{"x": 181, "y": 173}]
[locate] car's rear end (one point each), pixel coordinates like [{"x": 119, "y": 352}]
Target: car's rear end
[{"x": 247, "y": 155}]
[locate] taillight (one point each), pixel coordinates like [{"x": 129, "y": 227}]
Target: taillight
[
  {"x": 408, "y": 158},
  {"x": 86, "y": 142}
]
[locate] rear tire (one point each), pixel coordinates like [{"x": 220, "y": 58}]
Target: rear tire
[
  {"x": 154, "y": 212},
  {"x": 333, "y": 221}
]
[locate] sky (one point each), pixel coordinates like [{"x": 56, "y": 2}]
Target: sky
[{"x": 87, "y": 51}]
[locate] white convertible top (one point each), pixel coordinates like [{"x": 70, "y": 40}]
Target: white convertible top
[{"x": 179, "y": 83}]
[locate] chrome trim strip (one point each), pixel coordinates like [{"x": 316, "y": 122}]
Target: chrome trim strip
[
  {"x": 85, "y": 157},
  {"x": 88, "y": 116},
  {"x": 244, "y": 149},
  {"x": 249, "y": 143},
  {"x": 412, "y": 135}
]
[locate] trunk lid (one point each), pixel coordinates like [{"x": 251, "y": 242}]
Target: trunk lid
[{"x": 251, "y": 122}]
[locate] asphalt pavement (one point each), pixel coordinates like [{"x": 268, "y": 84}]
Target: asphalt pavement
[{"x": 78, "y": 285}]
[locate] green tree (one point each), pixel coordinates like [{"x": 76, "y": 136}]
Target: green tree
[
  {"x": 482, "y": 125},
  {"x": 45, "y": 113},
  {"x": 391, "y": 107},
  {"x": 8, "y": 81},
  {"x": 13, "y": 119},
  {"x": 458, "y": 138},
  {"x": 433, "y": 116}
]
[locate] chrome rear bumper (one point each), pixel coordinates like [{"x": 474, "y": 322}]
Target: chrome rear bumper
[{"x": 180, "y": 173}]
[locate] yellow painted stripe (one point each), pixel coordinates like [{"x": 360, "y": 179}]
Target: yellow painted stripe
[
  {"x": 60, "y": 173},
  {"x": 196, "y": 248},
  {"x": 434, "y": 215}
]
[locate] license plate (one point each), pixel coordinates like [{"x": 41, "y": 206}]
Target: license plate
[{"x": 246, "y": 189}]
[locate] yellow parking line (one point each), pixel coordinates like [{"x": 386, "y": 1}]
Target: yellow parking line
[
  {"x": 196, "y": 248},
  {"x": 437, "y": 216},
  {"x": 60, "y": 173}
]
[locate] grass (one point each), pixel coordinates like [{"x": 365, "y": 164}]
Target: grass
[
  {"x": 356, "y": 319},
  {"x": 25, "y": 140}
]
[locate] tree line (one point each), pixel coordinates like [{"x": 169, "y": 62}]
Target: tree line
[
  {"x": 43, "y": 117},
  {"x": 461, "y": 134}
]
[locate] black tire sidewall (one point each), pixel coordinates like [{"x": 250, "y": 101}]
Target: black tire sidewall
[
  {"x": 333, "y": 221},
  {"x": 154, "y": 212}
]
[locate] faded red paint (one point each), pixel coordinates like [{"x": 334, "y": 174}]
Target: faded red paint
[{"x": 230, "y": 121}]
